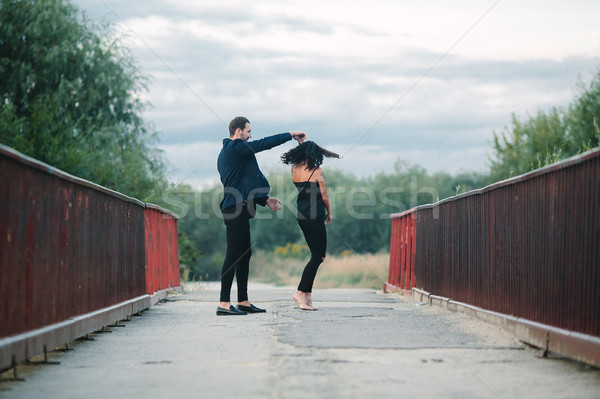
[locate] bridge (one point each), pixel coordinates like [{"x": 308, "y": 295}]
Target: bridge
[{"x": 493, "y": 293}]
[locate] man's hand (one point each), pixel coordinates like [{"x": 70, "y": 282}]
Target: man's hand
[
  {"x": 328, "y": 218},
  {"x": 298, "y": 136},
  {"x": 273, "y": 203}
]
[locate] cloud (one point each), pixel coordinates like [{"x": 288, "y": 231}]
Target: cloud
[
  {"x": 193, "y": 162},
  {"x": 357, "y": 84}
]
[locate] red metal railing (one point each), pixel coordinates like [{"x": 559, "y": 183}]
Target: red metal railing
[
  {"x": 69, "y": 247},
  {"x": 528, "y": 246},
  {"x": 162, "y": 249},
  {"x": 402, "y": 251}
]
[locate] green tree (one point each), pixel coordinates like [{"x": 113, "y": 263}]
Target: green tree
[
  {"x": 524, "y": 146},
  {"x": 584, "y": 116},
  {"x": 70, "y": 96},
  {"x": 549, "y": 136}
]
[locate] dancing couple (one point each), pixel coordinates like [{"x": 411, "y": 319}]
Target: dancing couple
[{"x": 245, "y": 186}]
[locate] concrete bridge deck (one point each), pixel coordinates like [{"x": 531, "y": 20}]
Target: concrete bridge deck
[{"x": 360, "y": 343}]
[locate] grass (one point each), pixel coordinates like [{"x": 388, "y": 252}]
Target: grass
[{"x": 350, "y": 271}]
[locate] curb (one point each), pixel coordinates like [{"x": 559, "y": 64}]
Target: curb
[
  {"x": 581, "y": 347},
  {"x": 20, "y": 347},
  {"x": 387, "y": 287}
]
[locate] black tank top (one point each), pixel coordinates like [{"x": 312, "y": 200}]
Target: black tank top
[{"x": 310, "y": 203}]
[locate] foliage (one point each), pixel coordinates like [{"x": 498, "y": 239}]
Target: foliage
[
  {"x": 584, "y": 114},
  {"x": 70, "y": 96},
  {"x": 188, "y": 254},
  {"x": 549, "y": 136}
]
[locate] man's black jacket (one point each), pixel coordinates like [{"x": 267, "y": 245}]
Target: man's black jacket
[{"x": 242, "y": 179}]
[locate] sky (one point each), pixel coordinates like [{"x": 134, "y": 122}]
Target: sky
[{"x": 376, "y": 81}]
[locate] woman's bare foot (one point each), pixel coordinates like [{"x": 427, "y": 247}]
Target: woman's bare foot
[
  {"x": 300, "y": 298},
  {"x": 309, "y": 301}
]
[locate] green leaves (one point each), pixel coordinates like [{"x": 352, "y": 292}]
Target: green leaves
[
  {"x": 548, "y": 136},
  {"x": 70, "y": 97}
]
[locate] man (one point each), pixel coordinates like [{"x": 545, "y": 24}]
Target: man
[{"x": 244, "y": 187}]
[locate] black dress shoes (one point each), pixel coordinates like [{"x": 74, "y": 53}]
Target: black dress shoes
[
  {"x": 232, "y": 311},
  {"x": 251, "y": 309}
]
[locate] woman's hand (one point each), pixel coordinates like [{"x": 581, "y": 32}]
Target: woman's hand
[
  {"x": 298, "y": 136},
  {"x": 328, "y": 218},
  {"x": 273, "y": 203}
]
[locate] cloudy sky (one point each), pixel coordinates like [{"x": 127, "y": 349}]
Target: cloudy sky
[{"x": 376, "y": 81}]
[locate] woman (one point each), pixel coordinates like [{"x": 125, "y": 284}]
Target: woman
[{"x": 314, "y": 210}]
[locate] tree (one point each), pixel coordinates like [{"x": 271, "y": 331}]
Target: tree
[
  {"x": 548, "y": 136},
  {"x": 584, "y": 116},
  {"x": 522, "y": 148},
  {"x": 70, "y": 96}
]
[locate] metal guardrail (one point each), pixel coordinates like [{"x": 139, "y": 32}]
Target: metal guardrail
[
  {"x": 528, "y": 246},
  {"x": 69, "y": 249},
  {"x": 162, "y": 249},
  {"x": 401, "y": 273}
]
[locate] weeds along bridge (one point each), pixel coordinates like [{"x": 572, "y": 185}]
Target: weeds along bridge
[{"x": 76, "y": 259}]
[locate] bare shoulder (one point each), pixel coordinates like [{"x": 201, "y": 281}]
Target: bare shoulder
[{"x": 319, "y": 173}]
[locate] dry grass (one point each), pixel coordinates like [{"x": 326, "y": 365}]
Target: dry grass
[{"x": 351, "y": 271}]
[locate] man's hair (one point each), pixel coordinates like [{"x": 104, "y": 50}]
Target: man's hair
[
  {"x": 308, "y": 152},
  {"x": 238, "y": 121}
]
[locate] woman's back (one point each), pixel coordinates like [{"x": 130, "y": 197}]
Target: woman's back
[{"x": 310, "y": 202}]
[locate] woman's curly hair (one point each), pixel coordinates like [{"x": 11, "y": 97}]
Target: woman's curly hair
[{"x": 308, "y": 152}]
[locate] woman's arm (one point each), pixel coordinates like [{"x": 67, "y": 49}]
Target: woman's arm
[{"x": 324, "y": 195}]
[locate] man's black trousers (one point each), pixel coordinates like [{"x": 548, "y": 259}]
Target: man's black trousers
[{"x": 237, "y": 258}]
